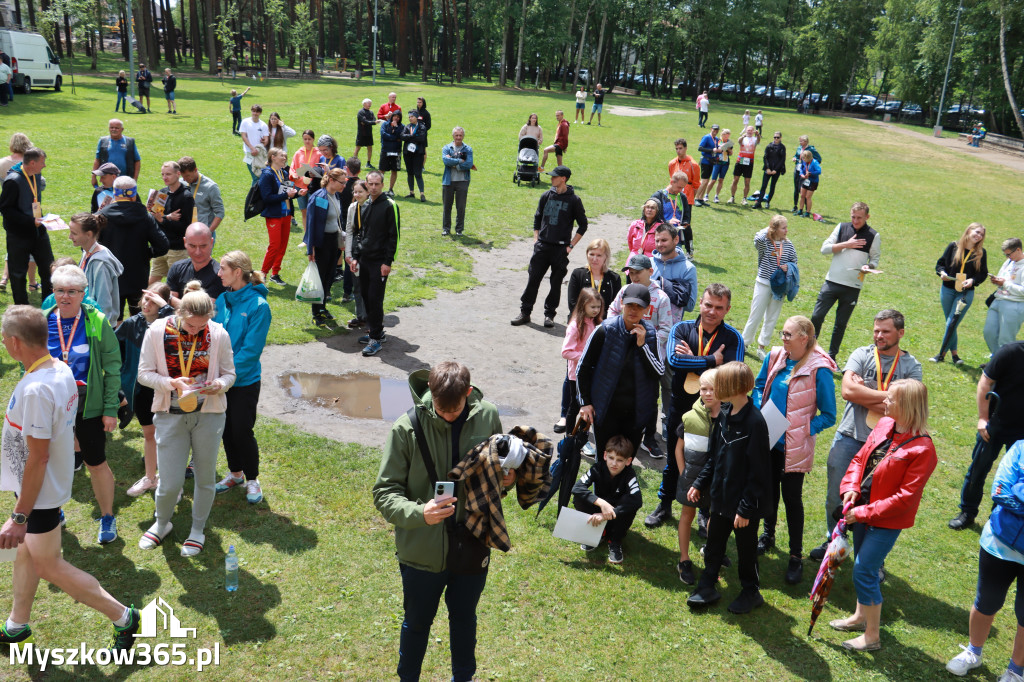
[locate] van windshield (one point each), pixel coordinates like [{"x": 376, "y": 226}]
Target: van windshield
[{"x": 53, "y": 58}]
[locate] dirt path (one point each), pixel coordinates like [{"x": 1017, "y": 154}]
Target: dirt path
[
  {"x": 1014, "y": 161},
  {"x": 471, "y": 326}
]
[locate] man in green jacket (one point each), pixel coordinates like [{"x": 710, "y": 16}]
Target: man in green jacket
[{"x": 454, "y": 418}]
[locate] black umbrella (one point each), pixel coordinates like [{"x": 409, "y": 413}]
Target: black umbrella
[
  {"x": 565, "y": 469},
  {"x": 959, "y": 306}
]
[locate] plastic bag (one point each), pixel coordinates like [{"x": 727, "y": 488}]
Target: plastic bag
[{"x": 310, "y": 289}]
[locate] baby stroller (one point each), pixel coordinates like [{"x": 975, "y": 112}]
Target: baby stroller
[{"x": 528, "y": 162}]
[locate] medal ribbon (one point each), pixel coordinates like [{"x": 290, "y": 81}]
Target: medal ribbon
[
  {"x": 963, "y": 264},
  {"x": 884, "y": 381},
  {"x": 191, "y": 352},
  {"x": 66, "y": 348},
  {"x": 703, "y": 349},
  {"x": 31, "y": 185}
]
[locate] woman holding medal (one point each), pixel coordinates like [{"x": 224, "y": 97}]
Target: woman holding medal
[
  {"x": 962, "y": 265},
  {"x": 81, "y": 338},
  {"x": 307, "y": 155},
  {"x": 276, "y": 211},
  {"x": 187, "y": 361},
  {"x": 881, "y": 494}
]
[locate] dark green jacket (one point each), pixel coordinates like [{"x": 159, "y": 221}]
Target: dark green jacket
[
  {"x": 104, "y": 377},
  {"x": 403, "y": 487}
]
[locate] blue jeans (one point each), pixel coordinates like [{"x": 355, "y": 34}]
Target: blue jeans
[
  {"x": 122, "y": 101},
  {"x": 844, "y": 449},
  {"x": 565, "y": 398},
  {"x": 1002, "y": 323},
  {"x": 870, "y": 547},
  {"x": 949, "y": 298},
  {"x": 421, "y": 591}
]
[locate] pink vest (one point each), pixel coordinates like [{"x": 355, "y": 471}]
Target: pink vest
[{"x": 801, "y": 404}]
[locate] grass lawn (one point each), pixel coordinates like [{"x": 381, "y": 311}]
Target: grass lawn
[{"x": 319, "y": 595}]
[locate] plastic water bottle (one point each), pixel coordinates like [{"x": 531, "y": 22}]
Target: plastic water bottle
[{"x": 231, "y": 570}]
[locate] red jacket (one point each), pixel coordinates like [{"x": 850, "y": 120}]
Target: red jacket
[
  {"x": 898, "y": 481},
  {"x": 562, "y": 135},
  {"x": 386, "y": 109}
]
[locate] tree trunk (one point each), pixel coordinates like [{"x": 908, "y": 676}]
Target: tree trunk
[
  {"x": 467, "y": 40},
  {"x": 342, "y": 51},
  {"x": 401, "y": 8},
  {"x": 170, "y": 42},
  {"x": 506, "y": 28},
  {"x": 600, "y": 46},
  {"x": 31, "y": 14},
  {"x": 1006, "y": 71},
  {"x": 579, "y": 51},
  {"x": 123, "y": 25},
  {"x": 519, "y": 50},
  {"x": 270, "y": 43},
  {"x": 196, "y": 39},
  {"x": 211, "y": 39},
  {"x": 487, "y": 57},
  {"x": 424, "y": 23},
  {"x": 181, "y": 29},
  {"x": 67, "y": 34},
  {"x": 17, "y": 12},
  {"x": 457, "y": 47},
  {"x": 58, "y": 44},
  {"x": 568, "y": 45}
]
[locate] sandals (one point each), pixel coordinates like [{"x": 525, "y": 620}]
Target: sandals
[
  {"x": 869, "y": 646},
  {"x": 841, "y": 625},
  {"x": 151, "y": 540},
  {"x": 192, "y": 547},
  {"x": 34, "y": 287}
]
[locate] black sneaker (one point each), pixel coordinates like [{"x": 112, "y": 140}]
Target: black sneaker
[
  {"x": 685, "y": 569},
  {"x": 818, "y": 553},
  {"x": 615, "y": 552},
  {"x": 356, "y": 323},
  {"x": 22, "y": 636},
  {"x": 795, "y": 570},
  {"x": 521, "y": 319},
  {"x": 588, "y": 548},
  {"x": 748, "y": 600},
  {"x": 702, "y": 525},
  {"x": 660, "y": 514},
  {"x": 961, "y": 521},
  {"x": 702, "y": 598},
  {"x": 276, "y": 279},
  {"x": 124, "y": 637},
  {"x": 190, "y": 470},
  {"x": 656, "y": 452},
  {"x": 764, "y": 543},
  {"x": 549, "y": 321}
]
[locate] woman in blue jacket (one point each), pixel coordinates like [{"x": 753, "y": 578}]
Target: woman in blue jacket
[
  {"x": 809, "y": 171},
  {"x": 275, "y": 196},
  {"x": 245, "y": 314},
  {"x": 323, "y": 226},
  {"x": 391, "y": 148}
]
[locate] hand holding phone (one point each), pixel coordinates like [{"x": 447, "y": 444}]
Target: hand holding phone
[{"x": 443, "y": 490}]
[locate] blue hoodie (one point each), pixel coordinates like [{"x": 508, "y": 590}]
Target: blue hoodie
[
  {"x": 245, "y": 315},
  {"x": 678, "y": 279}
]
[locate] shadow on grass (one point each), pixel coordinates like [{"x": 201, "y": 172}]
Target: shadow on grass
[
  {"x": 641, "y": 557},
  {"x": 766, "y": 625},
  {"x": 116, "y": 572}
]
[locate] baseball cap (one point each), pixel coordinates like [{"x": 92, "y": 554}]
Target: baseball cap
[
  {"x": 638, "y": 261},
  {"x": 560, "y": 172},
  {"x": 107, "y": 169},
  {"x": 636, "y": 293},
  {"x": 715, "y": 126}
]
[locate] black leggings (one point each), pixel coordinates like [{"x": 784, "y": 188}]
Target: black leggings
[
  {"x": 240, "y": 446},
  {"x": 236, "y": 121},
  {"x": 792, "y": 490},
  {"x": 995, "y": 576},
  {"x": 768, "y": 181},
  {"x": 414, "y": 170}
]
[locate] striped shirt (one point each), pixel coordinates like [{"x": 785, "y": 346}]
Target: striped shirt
[{"x": 768, "y": 255}]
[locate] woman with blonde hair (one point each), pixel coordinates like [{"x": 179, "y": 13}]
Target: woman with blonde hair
[
  {"x": 188, "y": 362},
  {"x": 122, "y": 91},
  {"x": 276, "y": 211},
  {"x": 962, "y": 266},
  {"x": 797, "y": 380},
  {"x": 245, "y": 314},
  {"x": 774, "y": 252},
  {"x": 881, "y": 494}
]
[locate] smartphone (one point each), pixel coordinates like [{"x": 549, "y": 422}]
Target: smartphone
[{"x": 444, "y": 490}]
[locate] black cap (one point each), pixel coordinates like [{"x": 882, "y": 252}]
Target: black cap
[
  {"x": 636, "y": 293},
  {"x": 560, "y": 172}
]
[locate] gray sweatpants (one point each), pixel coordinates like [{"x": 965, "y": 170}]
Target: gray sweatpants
[{"x": 177, "y": 435}]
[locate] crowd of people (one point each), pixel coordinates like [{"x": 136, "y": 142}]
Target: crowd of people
[{"x": 146, "y": 324}]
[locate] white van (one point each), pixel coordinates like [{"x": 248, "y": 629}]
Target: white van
[{"x": 32, "y": 61}]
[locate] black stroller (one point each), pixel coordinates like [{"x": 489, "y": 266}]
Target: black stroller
[{"x": 528, "y": 162}]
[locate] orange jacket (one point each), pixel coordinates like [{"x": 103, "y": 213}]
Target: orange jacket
[{"x": 692, "y": 170}]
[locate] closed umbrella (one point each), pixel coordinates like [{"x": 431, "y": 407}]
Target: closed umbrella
[
  {"x": 565, "y": 469},
  {"x": 838, "y": 550}
]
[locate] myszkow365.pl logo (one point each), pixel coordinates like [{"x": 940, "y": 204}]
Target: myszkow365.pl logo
[{"x": 158, "y": 615}]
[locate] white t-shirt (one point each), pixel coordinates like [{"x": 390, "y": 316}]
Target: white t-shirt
[
  {"x": 43, "y": 405},
  {"x": 256, "y": 131},
  {"x": 746, "y": 119},
  {"x": 5, "y": 73},
  {"x": 704, "y": 105},
  {"x": 581, "y": 96},
  {"x": 758, "y": 120}
]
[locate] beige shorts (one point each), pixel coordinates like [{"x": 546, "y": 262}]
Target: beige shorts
[{"x": 159, "y": 266}]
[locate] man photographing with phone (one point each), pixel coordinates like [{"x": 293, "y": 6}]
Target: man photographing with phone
[{"x": 449, "y": 418}]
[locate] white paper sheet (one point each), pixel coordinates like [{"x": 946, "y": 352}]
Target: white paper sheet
[
  {"x": 53, "y": 222},
  {"x": 777, "y": 422},
  {"x": 572, "y": 526}
]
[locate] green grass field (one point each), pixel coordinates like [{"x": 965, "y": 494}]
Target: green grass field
[{"x": 320, "y": 596}]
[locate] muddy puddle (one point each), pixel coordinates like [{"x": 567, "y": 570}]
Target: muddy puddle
[{"x": 359, "y": 394}]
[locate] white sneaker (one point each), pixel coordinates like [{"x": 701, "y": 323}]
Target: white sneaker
[
  {"x": 253, "y": 491},
  {"x": 1008, "y": 676},
  {"x": 964, "y": 662},
  {"x": 144, "y": 484},
  {"x": 732, "y": 200},
  {"x": 716, "y": 198},
  {"x": 745, "y": 202}
]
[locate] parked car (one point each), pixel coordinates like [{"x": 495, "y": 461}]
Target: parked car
[
  {"x": 32, "y": 60},
  {"x": 890, "y": 107}
]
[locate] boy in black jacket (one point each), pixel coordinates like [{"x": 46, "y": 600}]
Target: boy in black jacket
[
  {"x": 615, "y": 497},
  {"x": 735, "y": 477}
]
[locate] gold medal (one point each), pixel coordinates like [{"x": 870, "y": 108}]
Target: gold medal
[
  {"x": 959, "y": 285},
  {"x": 692, "y": 383},
  {"x": 872, "y": 418},
  {"x": 189, "y": 403}
]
